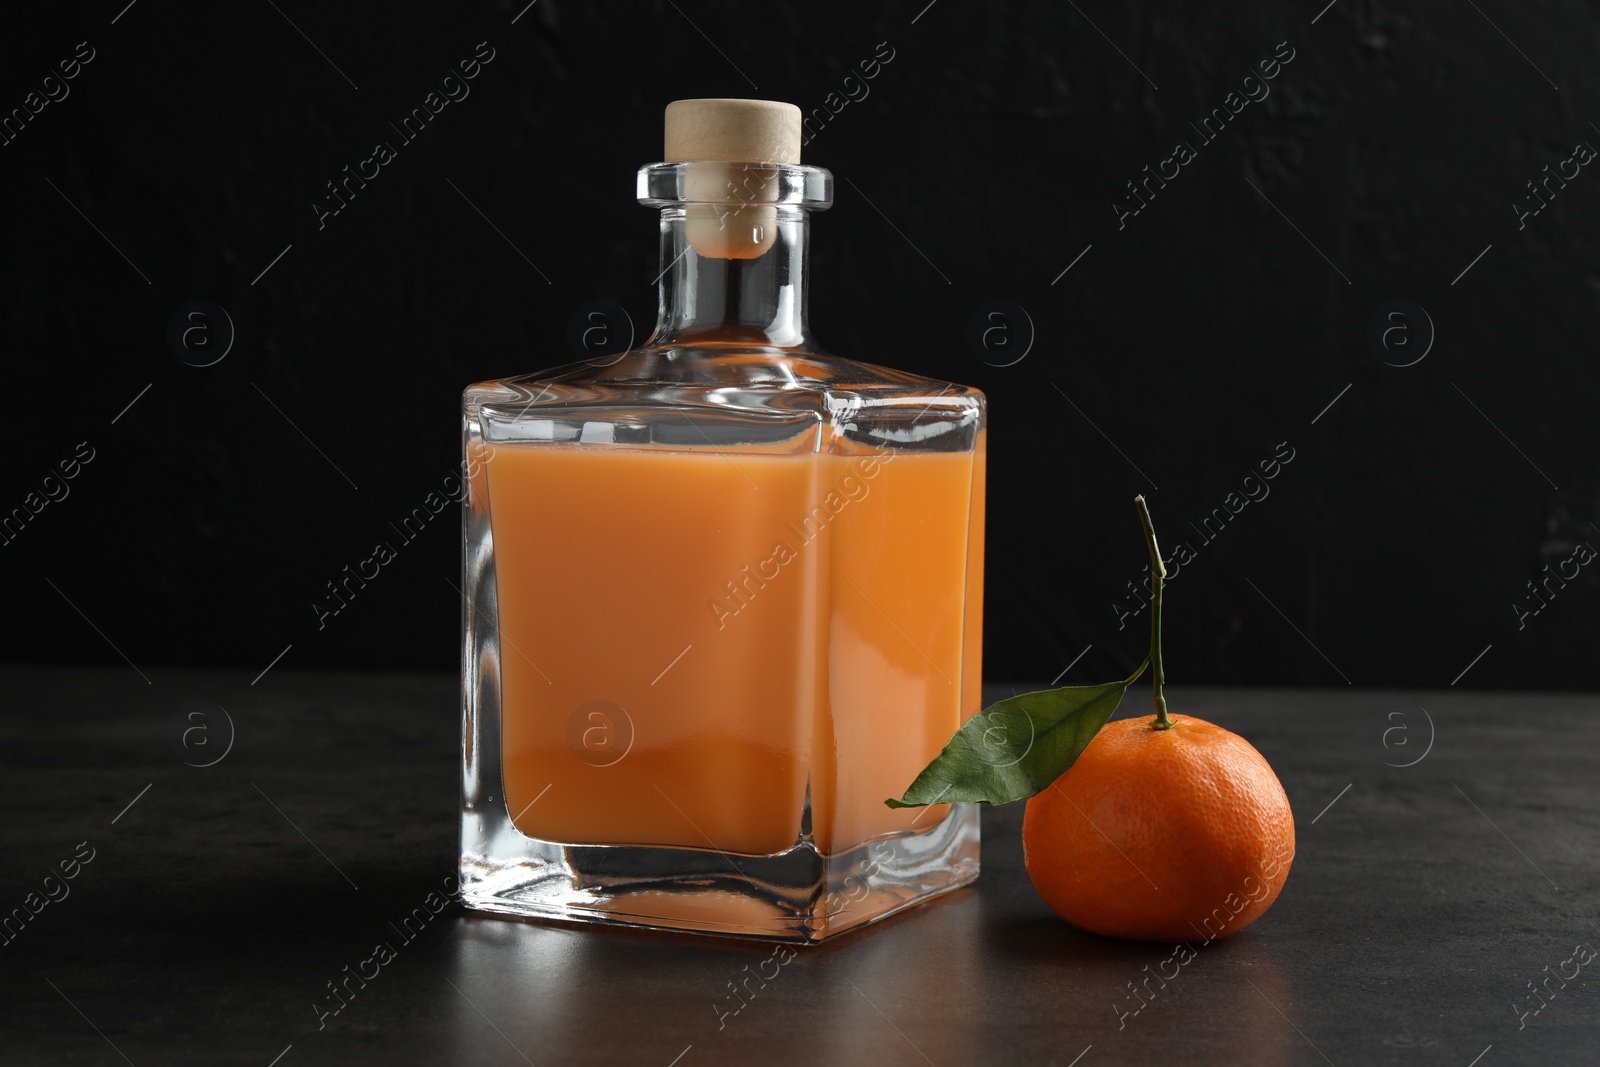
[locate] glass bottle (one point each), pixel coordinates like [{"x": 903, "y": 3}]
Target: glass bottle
[{"x": 722, "y": 596}]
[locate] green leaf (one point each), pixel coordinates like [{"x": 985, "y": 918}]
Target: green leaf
[{"x": 1017, "y": 747}]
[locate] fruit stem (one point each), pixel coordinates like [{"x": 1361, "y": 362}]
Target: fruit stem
[{"x": 1158, "y": 572}]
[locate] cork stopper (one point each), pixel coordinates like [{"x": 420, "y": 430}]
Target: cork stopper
[
  {"x": 733, "y": 131},
  {"x": 732, "y": 223}
]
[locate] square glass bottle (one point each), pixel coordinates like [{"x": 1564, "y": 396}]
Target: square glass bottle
[{"x": 723, "y": 592}]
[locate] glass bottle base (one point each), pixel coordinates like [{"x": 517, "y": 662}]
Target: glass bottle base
[{"x": 798, "y": 895}]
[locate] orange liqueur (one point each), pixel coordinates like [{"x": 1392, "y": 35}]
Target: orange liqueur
[{"x": 723, "y": 592}]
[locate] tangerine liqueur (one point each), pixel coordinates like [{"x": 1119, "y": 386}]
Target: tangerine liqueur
[{"x": 723, "y": 592}]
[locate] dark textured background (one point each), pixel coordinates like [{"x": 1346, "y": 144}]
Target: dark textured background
[{"x": 1191, "y": 342}]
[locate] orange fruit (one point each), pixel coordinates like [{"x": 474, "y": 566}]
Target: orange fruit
[{"x": 1182, "y": 834}]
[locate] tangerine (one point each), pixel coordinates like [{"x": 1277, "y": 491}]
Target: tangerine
[{"x": 1161, "y": 834}]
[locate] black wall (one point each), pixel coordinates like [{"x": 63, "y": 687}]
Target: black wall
[{"x": 1188, "y": 344}]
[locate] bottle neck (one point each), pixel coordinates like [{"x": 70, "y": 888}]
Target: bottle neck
[{"x": 759, "y": 299}]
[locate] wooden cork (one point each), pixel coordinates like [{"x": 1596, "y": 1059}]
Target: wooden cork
[
  {"x": 733, "y": 131},
  {"x": 731, "y": 223}
]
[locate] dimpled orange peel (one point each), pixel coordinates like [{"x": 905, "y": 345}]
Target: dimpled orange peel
[{"x": 1165, "y": 828}]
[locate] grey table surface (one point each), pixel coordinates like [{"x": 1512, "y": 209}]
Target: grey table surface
[{"x": 1425, "y": 903}]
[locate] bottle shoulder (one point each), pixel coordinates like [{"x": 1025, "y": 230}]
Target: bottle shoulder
[
  {"x": 725, "y": 374},
  {"x": 728, "y": 396}
]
